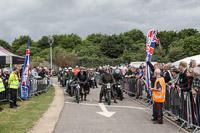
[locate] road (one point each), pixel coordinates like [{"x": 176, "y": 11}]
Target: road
[{"x": 129, "y": 117}]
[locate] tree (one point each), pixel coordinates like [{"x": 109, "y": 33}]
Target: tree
[
  {"x": 5, "y": 45},
  {"x": 96, "y": 39},
  {"x": 159, "y": 55},
  {"x": 127, "y": 56},
  {"x": 112, "y": 46},
  {"x": 166, "y": 38},
  {"x": 17, "y": 43},
  {"x": 175, "y": 54}
]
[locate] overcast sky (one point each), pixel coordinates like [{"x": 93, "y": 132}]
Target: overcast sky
[{"x": 83, "y": 17}]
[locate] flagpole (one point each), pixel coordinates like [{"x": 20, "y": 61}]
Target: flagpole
[
  {"x": 51, "y": 56},
  {"x": 51, "y": 39}
]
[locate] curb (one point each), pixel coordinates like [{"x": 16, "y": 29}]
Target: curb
[{"x": 47, "y": 122}]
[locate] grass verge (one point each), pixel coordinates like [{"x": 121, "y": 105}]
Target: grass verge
[{"x": 22, "y": 119}]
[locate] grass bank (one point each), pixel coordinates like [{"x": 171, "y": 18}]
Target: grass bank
[{"x": 22, "y": 119}]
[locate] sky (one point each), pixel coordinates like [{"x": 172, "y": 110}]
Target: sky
[{"x": 38, "y": 18}]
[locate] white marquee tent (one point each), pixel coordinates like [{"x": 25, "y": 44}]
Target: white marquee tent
[{"x": 188, "y": 59}]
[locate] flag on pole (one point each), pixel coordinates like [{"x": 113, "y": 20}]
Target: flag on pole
[
  {"x": 25, "y": 75},
  {"x": 151, "y": 41}
]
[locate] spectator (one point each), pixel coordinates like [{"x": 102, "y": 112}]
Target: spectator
[
  {"x": 34, "y": 72},
  {"x": 42, "y": 73},
  {"x": 5, "y": 77},
  {"x": 131, "y": 72},
  {"x": 1, "y": 87},
  {"x": 183, "y": 81},
  {"x": 13, "y": 83},
  {"x": 158, "y": 96},
  {"x": 196, "y": 92},
  {"x": 175, "y": 100},
  {"x": 167, "y": 73},
  {"x": 181, "y": 85},
  {"x": 193, "y": 63},
  {"x": 142, "y": 66}
]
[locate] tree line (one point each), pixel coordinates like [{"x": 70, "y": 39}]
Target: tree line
[{"x": 99, "y": 49}]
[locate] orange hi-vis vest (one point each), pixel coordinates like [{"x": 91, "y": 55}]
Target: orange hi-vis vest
[{"x": 157, "y": 95}]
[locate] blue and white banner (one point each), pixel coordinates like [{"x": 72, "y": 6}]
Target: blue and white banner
[{"x": 25, "y": 75}]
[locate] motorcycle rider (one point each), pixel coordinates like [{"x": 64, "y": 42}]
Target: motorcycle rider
[
  {"x": 70, "y": 76},
  {"x": 82, "y": 77},
  {"x": 104, "y": 79},
  {"x": 118, "y": 78},
  {"x": 61, "y": 76},
  {"x": 91, "y": 75},
  {"x": 65, "y": 77}
]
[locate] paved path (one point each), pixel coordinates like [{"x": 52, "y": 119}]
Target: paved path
[
  {"x": 130, "y": 117},
  {"x": 47, "y": 122}
]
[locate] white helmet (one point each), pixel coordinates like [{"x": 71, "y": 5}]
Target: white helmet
[{"x": 70, "y": 68}]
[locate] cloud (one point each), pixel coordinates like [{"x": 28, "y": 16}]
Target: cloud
[{"x": 46, "y": 17}]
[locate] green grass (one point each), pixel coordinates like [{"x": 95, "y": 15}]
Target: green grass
[{"x": 22, "y": 119}]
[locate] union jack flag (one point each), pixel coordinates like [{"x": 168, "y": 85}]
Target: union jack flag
[
  {"x": 25, "y": 75},
  {"x": 150, "y": 44}
]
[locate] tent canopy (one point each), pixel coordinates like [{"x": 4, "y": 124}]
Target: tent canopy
[
  {"x": 7, "y": 57},
  {"x": 188, "y": 59}
]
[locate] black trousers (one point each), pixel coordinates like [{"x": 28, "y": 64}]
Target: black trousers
[
  {"x": 157, "y": 111},
  {"x": 13, "y": 97}
]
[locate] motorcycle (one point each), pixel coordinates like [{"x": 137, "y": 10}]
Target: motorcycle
[
  {"x": 70, "y": 87},
  {"x": 61, "y": 80},
  {"x": 64, "y": 82},
  {"x": 92, "y": 82},
  {"x": 75, "y": 91},
  {"x": 107, "y": 94},
  {"x": 118, "y": 90}
]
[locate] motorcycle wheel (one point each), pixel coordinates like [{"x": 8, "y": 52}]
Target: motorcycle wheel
[
  {"x": 77, "y": 97},
  {"x": 121, "y": 96},
  {"x": 72, "y": 92},
  {"x": 109, "y": 97}
]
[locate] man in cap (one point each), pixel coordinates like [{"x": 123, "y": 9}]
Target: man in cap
[{"x": 158, "y": 96}]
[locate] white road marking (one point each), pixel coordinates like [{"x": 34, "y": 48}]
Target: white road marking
[
  {"x": 110, "y": 106},
  {"x": 105, "y": 111}
]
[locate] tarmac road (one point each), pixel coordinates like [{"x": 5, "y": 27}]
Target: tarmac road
[{"x": 129, "y": 117}]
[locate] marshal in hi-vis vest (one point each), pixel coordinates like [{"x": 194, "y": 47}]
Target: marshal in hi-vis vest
[
  {"x": 2, "y": 88},
  {"x": 159, "y": 96},
  {"x": 13, "y": 81}
]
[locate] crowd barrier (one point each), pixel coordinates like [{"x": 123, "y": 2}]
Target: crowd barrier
[
  {"x": 180, "y": 105},
  {"x": 36, "y": 85}
]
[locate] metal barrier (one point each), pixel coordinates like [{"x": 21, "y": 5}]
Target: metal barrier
[
  {"x": 36, "y": 85},
  {"x": 184, "y": 106}
]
